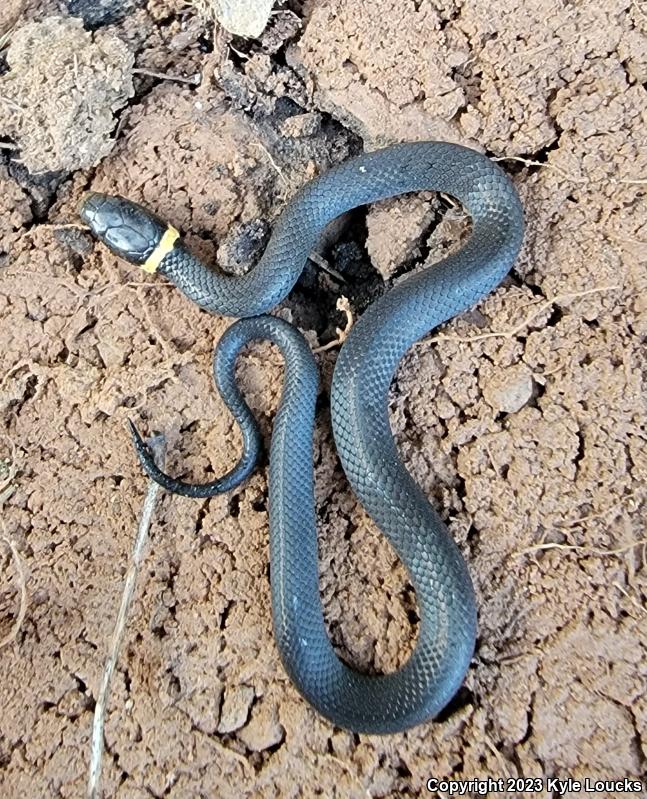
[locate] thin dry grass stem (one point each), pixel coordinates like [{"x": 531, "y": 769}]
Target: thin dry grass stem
[
  {"x": 22, "y": 583},
  {"x": 11, "y": 103},
  {"x": 149, "y": 284},
  {"x": 63, "y": 226},
  {"x": 597, "y": 551},
  {"x": 630, "y": 597},
  {"x": 342, "y": 334},
  {"x": 7, "y": 493},
  {"x": 4, "y": 38},
  {"x": 96, "y": 753},
  {"x": 272, "y": 161},
  {"x": 640, "y": 11},
  {"x": 538, "y": 309},
  {"x": 75, "y": 67},
  {"x": 221, "y": 39},
  {"x": 131, "y": 284},
  {"x": 193, "y": 80},
  {"x": 239, "y": 53},
  {"x": 567, "y": 176},
  {"x": 321, "y": 262},
  {"x": 503, "y": 765},
  {"x": 11, "y": 467},
  {"x": 599, "y": 515}
]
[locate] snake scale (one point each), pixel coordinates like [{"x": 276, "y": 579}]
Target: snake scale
[{"x": 359, "y": 405}]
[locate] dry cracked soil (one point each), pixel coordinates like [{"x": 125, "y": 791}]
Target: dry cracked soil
[{"x": 523, "y": 420}]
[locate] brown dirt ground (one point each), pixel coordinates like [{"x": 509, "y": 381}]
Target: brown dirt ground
[{"x": 523, "y": 420}]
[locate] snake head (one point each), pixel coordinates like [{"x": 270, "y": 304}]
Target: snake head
[{"x": 125, "y": 227}]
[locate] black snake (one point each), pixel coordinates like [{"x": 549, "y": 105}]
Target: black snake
[{"x": 363, "y": 373}]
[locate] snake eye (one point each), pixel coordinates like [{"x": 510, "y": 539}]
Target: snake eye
[{"x": 126, "y": 228}]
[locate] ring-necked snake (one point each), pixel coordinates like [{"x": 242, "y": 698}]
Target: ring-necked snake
[{"x": 363, "y": 373}]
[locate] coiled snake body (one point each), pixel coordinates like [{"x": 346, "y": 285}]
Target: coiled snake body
[{"x": 363, "y": 373}]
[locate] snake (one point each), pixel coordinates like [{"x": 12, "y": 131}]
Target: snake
[{"x": 349, "y": 698}]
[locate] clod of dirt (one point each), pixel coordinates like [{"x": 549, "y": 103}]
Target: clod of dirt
[
  {"x": 9, "y": 13},
  {"x": 61, "y": 93},
  {"x": 454, "y": 73},
  {"x": 283, "y": 25},
  {"x": 407, "y": 83},
  {"x": 16, "y": 211},
  {"x": 235, "y": 708},
  {"x": 240, "y": 17},
  {"x": 509, "y": 389},
  {"x": 102, "y": 12},
  {"x": 302, "y": 125},
  {"x": 395, "y": 230},
  {"x": 263, "y": 730},
  {"x": 77, "y": 241},
  {"x": 243, "y": 246},
  {"x": 40, "y": 186}
]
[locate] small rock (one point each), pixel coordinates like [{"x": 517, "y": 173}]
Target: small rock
[
  {"x": 301, "y": 125},
  {"x": 235, "y": 708},
  {"x": 259, "y": 68},
  {"x": 78, "y": 241},
  {"x": 508, "y": 390},
  {"x": 263, "y": 730},
  {"x": 243, "y": 17},
  {"x": 189, "y": 34},
  {"x": 73, "y": 704},
  {"x": 96, "y": 13},
  {"x": 242, "y": 247},
  {"x": 285, "y": 25}
]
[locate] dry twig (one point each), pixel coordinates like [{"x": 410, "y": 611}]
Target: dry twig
[
  {"x": 342, "y": 335},
  {"x": 194, "y": 80},
  {"x": 572, "y": 178},
  {"x": 273, "y": 162},
  {"x": 584, "y": 549},
  {"x": 11, "y": 103},
  {"x": 9, "y": 467},
  {"x": 96, "y": 758},
  {"x": 538, "y": 309},
  {"x": 4, "y": 38},
  {"x": 321, "y": 262}
]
